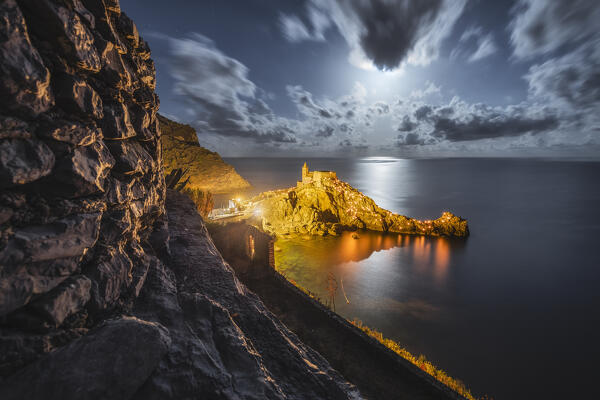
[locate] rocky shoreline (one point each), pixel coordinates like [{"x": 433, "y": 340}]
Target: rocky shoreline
[{"x": 329, "y": 206}]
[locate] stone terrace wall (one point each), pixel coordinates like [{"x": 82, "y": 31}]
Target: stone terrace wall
[
  {"x": 233, "y": 241},
  {"x": 81, "y": 182}
]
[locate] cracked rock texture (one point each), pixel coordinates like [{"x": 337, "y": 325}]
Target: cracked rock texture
[
  {"x": 105, "y": 294},
  {"x": 81, "y": 187},
  {"x": 226, "y": 344}
]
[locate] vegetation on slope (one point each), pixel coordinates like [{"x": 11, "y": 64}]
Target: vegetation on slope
[
  {"x": 206, "y": 169},
  {"x": 419, "y": 361}
]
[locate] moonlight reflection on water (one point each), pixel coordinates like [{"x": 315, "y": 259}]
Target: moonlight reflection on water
[{"x": 523, "y": 286}]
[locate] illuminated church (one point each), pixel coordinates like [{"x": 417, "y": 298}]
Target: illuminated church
[{"x": 315, "y": 177}]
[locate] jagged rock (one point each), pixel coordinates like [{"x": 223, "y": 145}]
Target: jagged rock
[
  {"x": 111, "y": 362},
  {"x": 25, "y": 81},
  {"x": 77, "y": 96},
  {"x": 65, "y": 29},
  {"x": 142, "y": 260},
  {"x": 50, "y": 252},
  {"x": 34, "y": 209},
  {"x": 104, "y": 23},
  {"x": 73, "y": 133},
  {"x": 203, "y": 200},
  {"x": 18, "y": 349},
  {"x": 119, "y": 191},
  {"x": 116, "y": 226},
  {"x": 141, "y": 122},
  {"x": 113, "y": 69},
  {"x": 13, "y": 128},
  {"x": 59, "y": 192},
  {"x": 86, "y": 228},
  {"x": 110, "y": 273},
  {"x": 159, "y": 238},
  {"x": 66, "y": 299},
  {"x": 116, "y": 123},
  {"x": 226, "y": 344},
  {"x": 21, "y": 282},
  {"x": 66, "y": 237},
  {"x": 84, "y": 12},
  {"x": 84, "y": 171},
  {"x": 129, "y": 29},
  {"x": 23, "y": 161},
  {"x": 131, "y": 157},
  {"x": 145, "y": 97}
]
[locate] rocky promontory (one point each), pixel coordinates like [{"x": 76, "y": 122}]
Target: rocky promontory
[
  {"x": 325, "y": 205},
  {"x": 206, "y": 170}
]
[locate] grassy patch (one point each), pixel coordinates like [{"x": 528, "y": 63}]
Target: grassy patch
[{"x": 419, "y": 361}]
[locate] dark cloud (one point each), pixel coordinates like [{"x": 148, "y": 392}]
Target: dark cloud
[
  {"x": 325, "y": 131},
  {"x": 423, "y": 112},
  {"x": 572, "y": 80},
  {"x": 380, "y": 108},
  {"x": 406, "y": 125},
  {"x": 307, "y": 105},
  {"x": 462, "y": 122},
  {"x": 480, "y": 127},
  {"x": 386, "y": 32},
  {"x": 409, "y": 139},
  {"x": 349, "y": 145},
  {"x": 219, "y": 94},
  {"x": 568, "y": 81},
  {"x": 542, "y": 26},
  {"x": 391, "y": 30}
]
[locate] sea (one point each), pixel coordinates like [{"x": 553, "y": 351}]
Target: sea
[{"x": 513, "y": 311}]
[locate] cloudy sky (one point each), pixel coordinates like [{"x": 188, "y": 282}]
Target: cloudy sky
[{"x": 412, "y": 78}]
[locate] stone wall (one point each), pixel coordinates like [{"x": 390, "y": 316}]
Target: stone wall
[
  {"x": 248, "y": 247},
  {"x": 81, "y": 183}
]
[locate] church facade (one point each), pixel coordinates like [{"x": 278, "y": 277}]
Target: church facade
[{"x": 315, "y": 177}]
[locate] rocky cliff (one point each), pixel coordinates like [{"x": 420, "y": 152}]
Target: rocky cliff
[
  {"x": 104, "y": 293},
  {"x": 206, "y": 169},
  {"x": 329, "y": 205},
  {"x": 80, "y": 170}
]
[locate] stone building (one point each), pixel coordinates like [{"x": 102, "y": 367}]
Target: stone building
[{"x": 315, "y": 177}]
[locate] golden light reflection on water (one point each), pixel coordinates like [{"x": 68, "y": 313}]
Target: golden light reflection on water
[
  {"x": 442, "y": 259},
  {"x": 372, "y": 268}
]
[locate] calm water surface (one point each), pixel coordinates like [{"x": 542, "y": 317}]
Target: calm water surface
[{"x": 513, "y": 310}]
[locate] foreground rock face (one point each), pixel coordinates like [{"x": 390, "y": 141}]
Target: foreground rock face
[
  {"x": 226, "y": 344},
  {"x": 96, "y": 302},
  {"x": 207, "y": 170},
  {"x": 329, "y": 206},
  {"x": 81, "y": 181},
  {"x": 94, "y": 366}
]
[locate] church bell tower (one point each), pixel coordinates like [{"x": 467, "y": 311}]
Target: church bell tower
[{"x": 304, "y": 171}]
